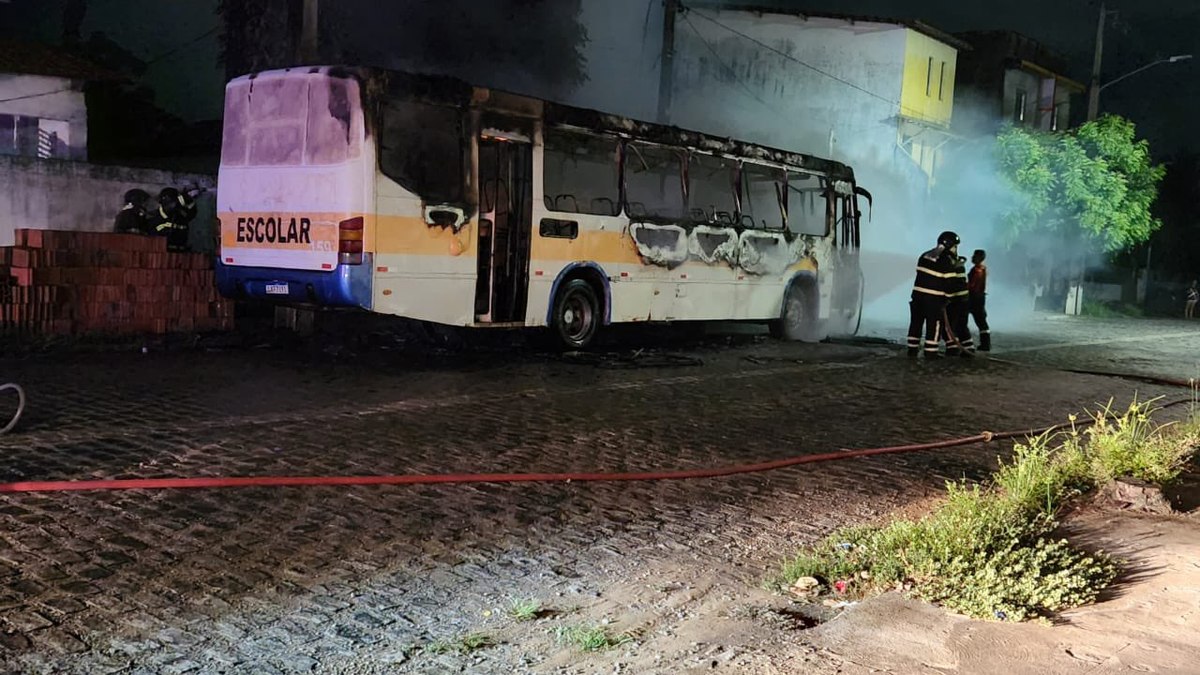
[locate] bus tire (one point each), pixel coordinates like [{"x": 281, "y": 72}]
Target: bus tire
[
  {"x": 798, "y": 320},
  {"x": 576, "y": 314}
]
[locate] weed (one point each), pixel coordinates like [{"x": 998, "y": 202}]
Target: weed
[
  {"x": 463, "y": 645},
  {"x": 474, "y": 641},
  {"x": 439, "y": 647},
  {"x": 986, "y": 551},
  {"x": 1131, "y": 445},
  {"x": 525, "y": 610},
  {"x": 590, "y": 638}
]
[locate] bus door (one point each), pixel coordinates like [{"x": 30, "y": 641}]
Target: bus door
[{"x": 505, "y": 227}]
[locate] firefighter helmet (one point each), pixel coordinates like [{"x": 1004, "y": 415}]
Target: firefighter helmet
[
  {"x": 136, "y": 196},
  {"x": 168, "y": 197},
  {"x": 948, "y": 239}
]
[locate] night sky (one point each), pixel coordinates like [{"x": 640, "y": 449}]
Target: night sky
[{"x": 1161, "y": 100}]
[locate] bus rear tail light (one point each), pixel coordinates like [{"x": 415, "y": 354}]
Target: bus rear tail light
[{"x": 350, "y": 241}]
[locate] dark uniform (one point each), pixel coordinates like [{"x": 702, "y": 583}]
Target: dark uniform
[
  {"x": 934, "y": 269},
  {"x": 173, "y": 218},
  {"x": 957, "y": 333},
  {"x": 977, "y": 285},
  {"x": 131, "y": 219}
]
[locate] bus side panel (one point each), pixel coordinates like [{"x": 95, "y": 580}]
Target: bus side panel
[
  {"x": 703, "y": 291},
  {"x": 601, "y": 240},
  {"x": 422, "y": 271}
]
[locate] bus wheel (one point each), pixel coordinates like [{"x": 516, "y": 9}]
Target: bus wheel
[
  {"x": 798, "y": 320},
  {"x": 576, "y": 314}
]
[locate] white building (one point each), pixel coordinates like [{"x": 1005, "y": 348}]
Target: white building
[
  {"x": 42, "y": 108},
  {"x": 46, "y": 179}
]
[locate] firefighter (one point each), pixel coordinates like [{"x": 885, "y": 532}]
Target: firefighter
[
  {"x": 928, "y": 303},
  {"x": 131, "y": 219},
  {"x": 175, "y": 213},
  {"x": 977, "y": 285},
  {"x": 956, "y": 331}
]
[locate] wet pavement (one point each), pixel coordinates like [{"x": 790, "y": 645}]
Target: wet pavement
[{"x": 356, "y": 579}]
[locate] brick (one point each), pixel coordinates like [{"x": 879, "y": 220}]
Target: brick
[
  {"x": 21, "y": 257},
  {"x": 30, "y": 238}
]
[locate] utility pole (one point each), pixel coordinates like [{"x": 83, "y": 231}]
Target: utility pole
[
  {"x": 308, "y": 33},
  {"x": 667, "y": 62},
  {"x": 1094, "y": 91}
]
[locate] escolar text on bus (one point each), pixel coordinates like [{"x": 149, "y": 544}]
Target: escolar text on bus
[{"x": 274, "y": 230}]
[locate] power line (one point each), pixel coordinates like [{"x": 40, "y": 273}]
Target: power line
[
  {"x": 44, "y": 93},
  {"x": 728, "y": 69},
  {"x": 189, "y": 43},
  {"x": 809, "y": 66}
]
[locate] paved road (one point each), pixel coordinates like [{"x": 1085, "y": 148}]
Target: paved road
[{"x": 328, "y": 579}]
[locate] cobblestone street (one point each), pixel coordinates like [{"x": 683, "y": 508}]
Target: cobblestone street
[{"x": 348, "y": 580}]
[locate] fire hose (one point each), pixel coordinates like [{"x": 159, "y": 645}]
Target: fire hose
[
  {"x": 20, "y": 406},
  {"x": 431, "y": 479}
]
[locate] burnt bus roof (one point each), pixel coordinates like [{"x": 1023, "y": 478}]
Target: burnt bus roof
[
  {"x": 451, "y": 91},
  {"x": 658, "y": 133}
]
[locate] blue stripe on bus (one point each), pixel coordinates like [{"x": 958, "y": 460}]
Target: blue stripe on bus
[
  {"x": 563, "y": 274},
  {"x": 345, "y": 286}
]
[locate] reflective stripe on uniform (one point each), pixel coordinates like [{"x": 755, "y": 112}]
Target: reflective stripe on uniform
[
  {"x": 928, "y": 291},
  {"x": 933, "y": 273}
]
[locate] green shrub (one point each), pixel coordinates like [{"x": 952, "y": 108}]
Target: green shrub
[
  {"x": 591, "y": 638},
  {"x": 986, "y": 551},
  {"x": 1132, "y": 445}
]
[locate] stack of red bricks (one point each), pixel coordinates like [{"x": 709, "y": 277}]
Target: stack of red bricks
[{"x": 80, "y": 283}]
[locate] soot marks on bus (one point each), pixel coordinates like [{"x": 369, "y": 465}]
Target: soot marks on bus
[{"x": 274, "y": 230}]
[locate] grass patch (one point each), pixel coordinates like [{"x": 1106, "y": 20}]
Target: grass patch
[
  {"x": 1109, "y": 310},
  {"x": 590, "y": 638},
  {"x": 525, "y": 610},
  {"x": 463, "y": 645},
  {"x": 988, "y": 551}
]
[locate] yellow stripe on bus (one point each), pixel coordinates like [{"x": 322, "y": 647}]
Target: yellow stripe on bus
[{"x": 410, "y": 235}]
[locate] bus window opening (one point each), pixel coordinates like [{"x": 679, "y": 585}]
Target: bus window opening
[
  {"x": 761, "y": 187},
  {"x": 807, "y": 210},
  {"x": 581, "y": 174},
  {"x": 711, "y": 196},
  {"x": 653, "y": 184},
  {"x": 421, "y": 148}
]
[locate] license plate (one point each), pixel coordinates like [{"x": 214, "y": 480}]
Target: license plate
[{"x": 277, "y": 289}]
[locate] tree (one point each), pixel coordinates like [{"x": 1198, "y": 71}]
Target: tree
[
  {"x": 525, "y": 44},
  {"x": 506, "y": 43},
  {"x": 259, "y": 34},
  {"x": 1094, "y": 185}
]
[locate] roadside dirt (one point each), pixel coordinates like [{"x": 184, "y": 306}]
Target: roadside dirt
[{"x": 696, "y": 619}]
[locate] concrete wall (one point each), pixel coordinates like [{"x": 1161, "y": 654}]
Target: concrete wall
[
  {"x": 732, "y": 85},
  {"x": 61, "y": 195},
  {"x": 48, "y": 98},
  {"x": 623, "y": 57}
]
